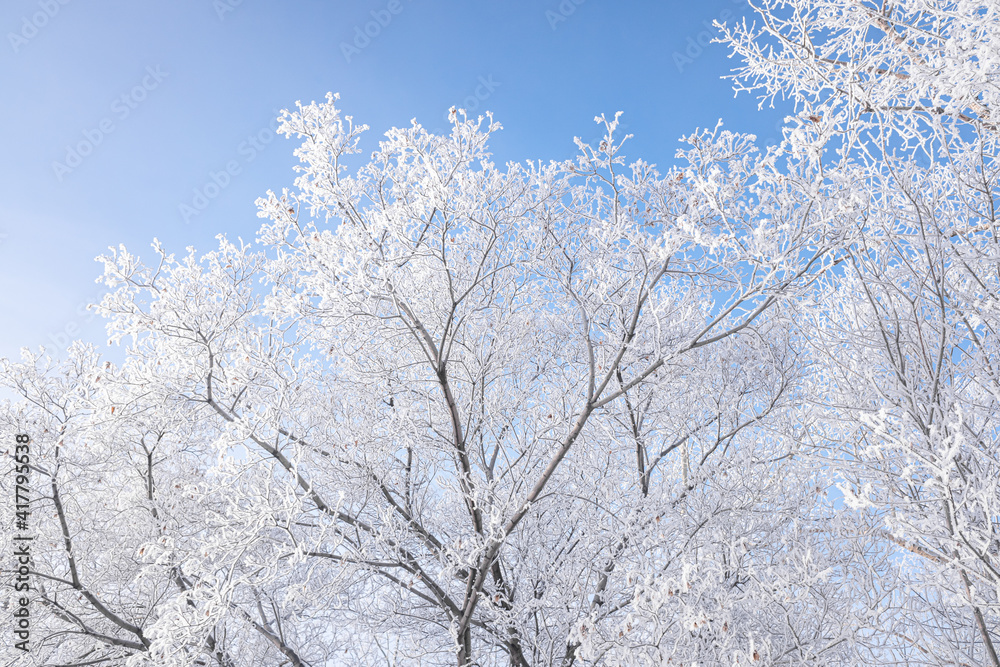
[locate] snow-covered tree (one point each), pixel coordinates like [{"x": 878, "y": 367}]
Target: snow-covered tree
[
  {"x": 447, "y": 412},
  {"x": 736, "y": 411},
  {"x": 905, "y": 340}
]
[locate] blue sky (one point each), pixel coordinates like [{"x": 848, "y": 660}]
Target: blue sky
[{"x": 114, "y": 114}]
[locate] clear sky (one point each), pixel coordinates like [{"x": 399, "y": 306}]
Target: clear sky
[{"x": 114, "y": 115}]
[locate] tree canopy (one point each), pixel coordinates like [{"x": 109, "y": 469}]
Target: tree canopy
[{"x": 739, "y": 410}]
